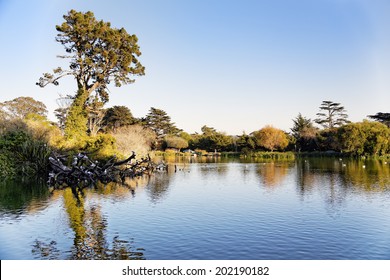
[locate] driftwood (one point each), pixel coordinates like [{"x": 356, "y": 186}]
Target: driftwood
[{"x": 84, "y": 172}]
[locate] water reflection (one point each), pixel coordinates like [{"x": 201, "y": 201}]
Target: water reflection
[
  {"x": 121, "y": 191},
  {"x": 272, "y": 174},
  {"x": 23, "y": 196},
  {"x": 359, "y": 175},
  {"x": 316, "y": 208},
  {"x": 369, "y": 176},
  {"x": 213, "y": 170},
  {"x": 158, "y": 184},
  {"x": 90, "y": 234}
]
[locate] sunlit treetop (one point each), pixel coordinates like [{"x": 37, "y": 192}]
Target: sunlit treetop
[{"x": 98, "y": 54}]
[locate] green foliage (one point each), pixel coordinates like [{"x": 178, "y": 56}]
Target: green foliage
[
  {"x": 381, "y": 117},
  {"x": 118, "y": 116},
  {"x": 7, "y": 168},
  {"x": 211, "y": 140},
  {"x": 99, "y": 55},
  {"x": 32, "y": 158},
  {"x": 23, "y": 155},
  {"x": 245, "y": 143},
  {"x": 272, "y": 155},
  {"x": 12, "y": 140},
  {"x": 328, "y": 140},
  {"x": 304, "y": 133},
  {"x": 102, "y": 146},
  {"x": 76, "y": 121},
  {"x": 158, "y": 121},
  {"x": 365, "y": 138}
]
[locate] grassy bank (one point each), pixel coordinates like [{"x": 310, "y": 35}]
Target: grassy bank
[
  {"x": 270, "y": 155},
  {"x": 340, "y": 155}
]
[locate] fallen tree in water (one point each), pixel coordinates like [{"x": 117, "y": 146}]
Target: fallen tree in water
[{"x": 82, "y": 171}]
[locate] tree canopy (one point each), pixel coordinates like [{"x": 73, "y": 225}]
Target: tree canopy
[
  {"x": 98, "y": 55},
  {"x": 20, "y": 107},
  {"x": 332, "y": 115},
  {"x": 271, "y": 138},
  {"x": 371, "y": 138},
  {"x": 118, "y": 116},
  {"x": 304, "y": 132},
  {"x": 381, "y": 117},
  {"x": 159, "y": 121}
]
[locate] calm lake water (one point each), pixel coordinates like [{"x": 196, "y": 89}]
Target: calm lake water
[{"x": 304, "y": 209}]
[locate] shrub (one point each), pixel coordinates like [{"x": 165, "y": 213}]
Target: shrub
[
  {"x": 134, "y": 138},
  {"x": 7, "y": 168},
  {"x": 176, "y": 142}
]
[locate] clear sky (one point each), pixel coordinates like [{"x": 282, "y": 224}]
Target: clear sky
[{"x": 232, "y": 65}]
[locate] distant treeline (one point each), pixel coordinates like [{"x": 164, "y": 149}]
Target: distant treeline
[{"x": 27, "y": 137}]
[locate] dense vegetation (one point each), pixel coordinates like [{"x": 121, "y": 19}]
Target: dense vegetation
[{"x": 99, "y": 54}]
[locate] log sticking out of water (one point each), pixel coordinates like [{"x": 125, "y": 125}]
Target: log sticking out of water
[{"x": 86, "y": 172}]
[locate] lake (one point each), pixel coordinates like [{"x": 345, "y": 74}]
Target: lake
[{"x": 210, "y": 209}]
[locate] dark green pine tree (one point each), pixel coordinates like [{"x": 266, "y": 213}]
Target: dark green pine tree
[
  {"x": 159, "y": 121},
  {"x": 118, "y": 116},
  {"x": 381, "y": 117},
  {"x": 304, "y": 133}
]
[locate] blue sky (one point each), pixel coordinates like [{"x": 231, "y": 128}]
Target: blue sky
[{"x": 233, "y": 65}]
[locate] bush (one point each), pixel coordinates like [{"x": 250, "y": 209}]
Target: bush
[
  {"x": 22, "y": 154},
  {"x": 134, "y": 138},
  {"x": 176, "y": 142},
  {"x": 101, "y": 145},
  {"x": 7, "y": 168}
]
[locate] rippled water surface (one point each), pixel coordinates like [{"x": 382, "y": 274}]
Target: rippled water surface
[{"x": 306, "y": 209}]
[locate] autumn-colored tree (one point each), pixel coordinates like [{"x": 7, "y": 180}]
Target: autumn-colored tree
[
  {"x": 98, "y": 55},
  {"x": 271, "y": 138}
]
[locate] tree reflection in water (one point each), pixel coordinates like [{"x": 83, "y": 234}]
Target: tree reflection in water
[
  {"x": 359, "y": 175},
  {"x": 272, "y": 174},
  {"x": 336, "y": 178},
  {"x": 90, "y": 231}
]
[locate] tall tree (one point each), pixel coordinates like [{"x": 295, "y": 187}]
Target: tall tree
[
  {"x": 304, "y": 133},
  {"x": 98, "y": 54},
  {"x": 20, "y": 107},
  {"x": 381, "y": 117},
  {"x": 118, "y": 116},
  {"x": 159, "y": 121},
  {"x": 332, "y": 115}
]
